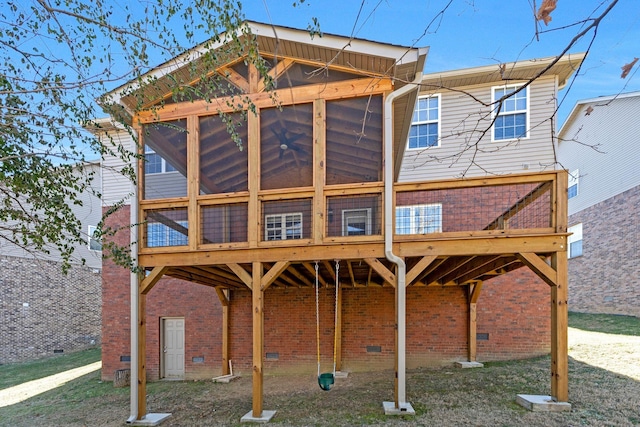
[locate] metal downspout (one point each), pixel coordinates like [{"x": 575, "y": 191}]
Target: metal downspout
[
  {"x": 133, "y": 218},
  {"x": 388, "y": 236}
]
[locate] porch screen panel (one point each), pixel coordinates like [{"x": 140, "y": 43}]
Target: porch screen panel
[
  {"x": 165, "y": 166},
  {"x": 286, "y": 147},
  {"x": 354, "y": 140},
  {"x": 517, "y": 206},
  {"x": 223, "y": 154},
  {"x": 286, "y": 220},
  {"x": 224, "y": 223},
  {"x": 166, "y": 227}
]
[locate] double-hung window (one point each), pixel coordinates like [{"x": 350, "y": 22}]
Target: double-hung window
[
  {"x": 575, "y": 241},
  {"x": 572, "y": 190},
  {"x": 419, "y": 219},
  {"x": 425, "y": 124},
  {"x": 512, "y": 119},
  {"x": 154, "y": 163},
  {"x": 283, "y": 226},
  {"x": 356, "y": 222}
]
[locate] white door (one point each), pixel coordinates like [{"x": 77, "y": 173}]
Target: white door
[{"x": 173, "y": 348}]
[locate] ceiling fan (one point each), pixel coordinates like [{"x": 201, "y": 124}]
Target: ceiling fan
[{"x": 287, "y": 140}]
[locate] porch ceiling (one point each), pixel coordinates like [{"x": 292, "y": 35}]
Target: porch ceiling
[{"x": 358, "y": 273}]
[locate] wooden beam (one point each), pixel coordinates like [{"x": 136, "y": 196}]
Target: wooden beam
[
  {"x": 502, "y": 221},
  {"x": 242, "y": 274},
  {"x": 258, "y": 339},
  {"x": 277, "y": 71},
  {"x": 273, "y": 274},
  {"x": 559, "y": 330},
  {"x": 312, "y": 269},
  {"x": 351, "y": 275},
  {"x": 151, "y": 279},
  {"x": 538, "y": 266},
  {"x": 420, "y": 266},
  {"x": 379, "y": 268}
]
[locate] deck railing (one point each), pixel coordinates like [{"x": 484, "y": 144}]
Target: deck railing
[{"x": 512, "y": 204}]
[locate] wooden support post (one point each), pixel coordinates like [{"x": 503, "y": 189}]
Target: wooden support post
[
  {"x": 559, "y": 325},
  {"x": 474, "y": 294},
  {"x": 142, "y": 351},
  {"x": 258, "y": 339},
  {"x": 338, "y": 331},
  {"x": 319, "y": 141},
  {"x": 223, "y": 294}
]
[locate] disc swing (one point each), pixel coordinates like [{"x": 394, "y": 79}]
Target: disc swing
[{"x": 326, "y": 379}]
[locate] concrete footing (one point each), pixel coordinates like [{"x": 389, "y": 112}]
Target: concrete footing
[
  {"x": 404, "y": 409},
  {"x": 542, "y": 403},
  {"x": 467, "y": 365},
  {"x": 225, "y": 378},
  {"x": 150, "y": 420},
  {"x": 340, "y": 374},
  {"x": 265, "y": 417}
]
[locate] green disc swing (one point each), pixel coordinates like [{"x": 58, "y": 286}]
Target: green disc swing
[{"x": 326, "y": 379}]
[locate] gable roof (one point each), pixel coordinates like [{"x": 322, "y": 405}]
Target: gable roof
[
  {"x": 562, "y": 67},
  {"x": 580, "y": 105},
  {"x": 359, "y": 56}
]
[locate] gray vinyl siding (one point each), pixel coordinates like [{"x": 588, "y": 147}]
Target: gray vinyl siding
[
  {"x": 463, "y": 120},
  {"x": 613, "y": 167},
  {"x": 90, "y": 213},
  {"x": 115, "y": 186}
]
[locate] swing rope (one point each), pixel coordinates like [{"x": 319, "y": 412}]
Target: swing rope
[{"x": 327, "y": 379}]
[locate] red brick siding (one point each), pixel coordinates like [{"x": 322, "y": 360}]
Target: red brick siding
[{"x": 513, "y": 309}]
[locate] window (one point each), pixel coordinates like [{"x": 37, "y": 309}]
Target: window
[
  {"x": 512, "y": 120},
  {"x": 356, "y": 222},
  {"x": 159, "y": 234},
  {"x": 94, "y": 242},
  {"x": 419, "y": 219},
  {"x": 425, "y": 123},
  {"x": 154, "y": 163},
  {"x": 572, "y": 190},
  {"x": 283, "y": 226},
  {"x": 575, "y": 241}
]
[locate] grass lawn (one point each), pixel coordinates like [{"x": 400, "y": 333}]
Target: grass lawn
[{"x": 604, "y": 387}]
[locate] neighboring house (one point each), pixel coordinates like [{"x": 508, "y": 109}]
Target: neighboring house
[
  {"x": 44, "y": 311},
  {"x": 600, "y": 147},
  {"x": 234, "y": 241}
]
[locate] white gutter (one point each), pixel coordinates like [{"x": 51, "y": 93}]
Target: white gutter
[
  {"x": 133, "y": 218},
  {"x": 401, "y": 294}
]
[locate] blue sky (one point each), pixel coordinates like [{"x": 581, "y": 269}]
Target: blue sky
[{"x": 481, "y": 32}]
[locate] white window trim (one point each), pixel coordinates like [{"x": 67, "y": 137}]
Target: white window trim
[
  {"x": 347, "y": 214},
  {"x": 576, "y": 236},
  {"x": 437, "y": 121},
  {"x": 574, "y": 180},
  {"x": 414, "y": 226},
  {"x": 527, "y": 111},
  {"x": 163, "y": 167},
  {"x": 283, "y": 225},
  {"x": 90, "y": 231}
]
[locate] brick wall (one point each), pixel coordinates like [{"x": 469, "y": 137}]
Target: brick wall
[
  {"x": 513, "y": 312},
  {"x": 43, "y": 311},
  {"x": 606, "y": 278}
]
